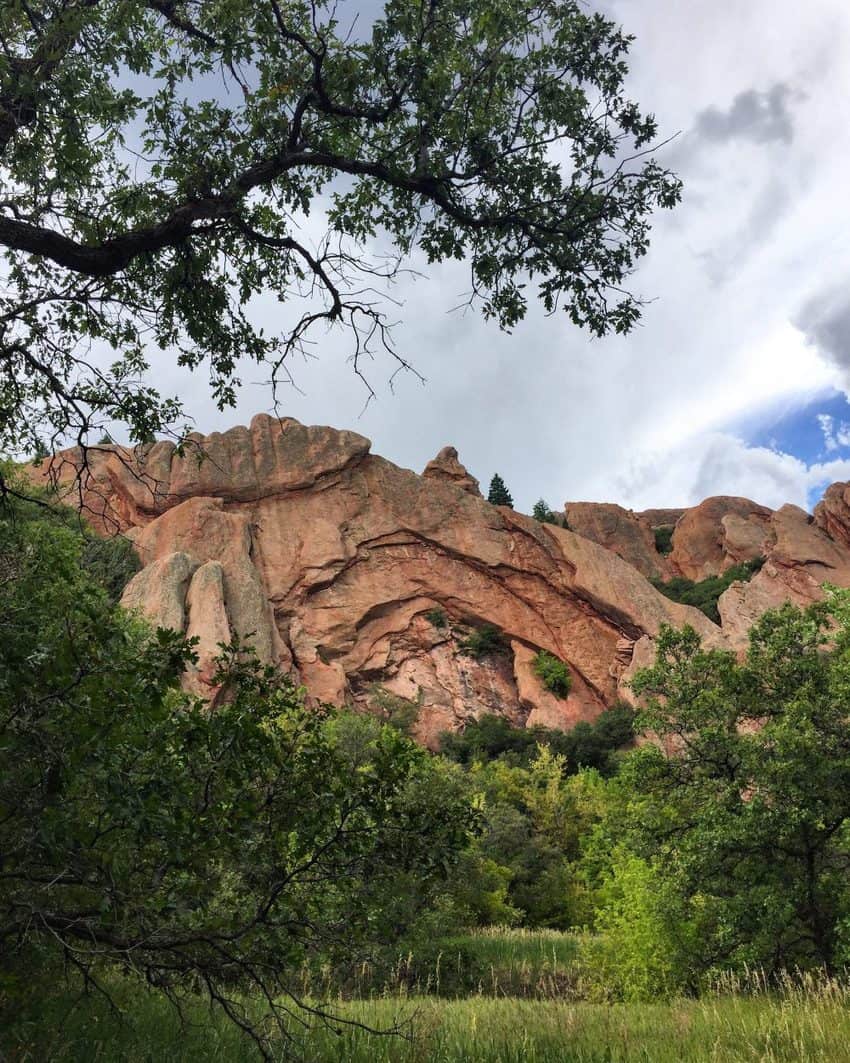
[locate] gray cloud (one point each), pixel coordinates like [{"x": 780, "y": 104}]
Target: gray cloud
[
  {"x": 825, "y": 322},
  {"x": 760, "y": 117},
  {"x": 726, "y": 256}
]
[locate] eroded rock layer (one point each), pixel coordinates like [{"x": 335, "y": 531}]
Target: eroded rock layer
[{"x": 368, "y": 580}]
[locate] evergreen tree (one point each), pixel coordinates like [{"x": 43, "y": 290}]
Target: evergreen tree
[
  {"x": 543, "y": 513},
  {"x": 498, "y": 494}
]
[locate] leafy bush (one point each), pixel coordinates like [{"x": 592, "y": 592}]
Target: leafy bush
[
  {"x": 644, "y": 939},
  {"x": 587, "y": 745},
  {"x": 487, "y": 738},
  {"x": 485, "y": 641},
  {"x": 664, "y": 539},
  {"x": 704, "y": 595},
  {"x": 598, "y": 744},
  {"x": 396, "y": 711},
  {"x": 534, "y": 818},
  {"x": 112, "y": 562},
  {"x": 437, "y": 618},
  {"x": 553, "y": 673}
]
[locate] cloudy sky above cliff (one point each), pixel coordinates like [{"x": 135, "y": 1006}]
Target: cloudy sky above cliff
[{"x": 734, "y": 382}]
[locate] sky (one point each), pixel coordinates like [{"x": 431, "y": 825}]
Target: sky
[{"x": 736, "y": 380}]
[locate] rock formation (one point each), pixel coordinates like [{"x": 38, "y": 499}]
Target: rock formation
[
  {"x": 446, "y": 466},
  {"x": 717, "y": 534},
  {"x": 627, "y": 534},
  {"x": 366, "y": 580}
]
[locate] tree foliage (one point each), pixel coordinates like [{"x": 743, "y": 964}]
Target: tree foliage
[
  {"x": 163, "y": 164},
  {"x": 198, "y": 850},
  {"x": 111, "y": 561},
  {"x": 553, "y": 673},
  {"x": 524, "y": 865},
  {"x": 542, "y": 513},
  {"x": 704, "y": 595},
  {"x": 664, "y": 539},
  {"x": 499, "y": 495},
  {"x": 484, "y": 641},
  {"x": 742, "y": 809},
  {"x": 587, "y": 745}
]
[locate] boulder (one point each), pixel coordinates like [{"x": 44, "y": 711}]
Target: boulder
[
  {"x": 158, "y": 591},
  {"x": 207, "y": 621},
  {"x": 446, "y": 466},
  {"x": 719, "y": 533}
]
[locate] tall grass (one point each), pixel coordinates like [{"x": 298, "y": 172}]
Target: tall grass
[
  {"x": 806, "y": 1022},
  {"x": 496, "y": 996},
  {"x": 496, "y": 961}
]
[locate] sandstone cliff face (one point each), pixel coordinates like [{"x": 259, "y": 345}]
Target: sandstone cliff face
[
  {"x": 832, "y": 513},
  {"x": 800, "y": 552},
  {"x": 333, "y": 559},
  {"x": 800, "y": 558},
  {"x": 367, "y": 579},
  {"x": 717, "y": 534},
  {"x": 627, "y": 534}
]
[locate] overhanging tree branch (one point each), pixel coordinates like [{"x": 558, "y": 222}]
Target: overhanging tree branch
[{"x": 165, "y": 205}]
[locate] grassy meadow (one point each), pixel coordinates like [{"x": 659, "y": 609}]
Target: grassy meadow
[{"x": 515, "y": 1000}]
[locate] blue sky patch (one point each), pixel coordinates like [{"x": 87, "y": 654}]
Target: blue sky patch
[{"x": 816, "y": 432}]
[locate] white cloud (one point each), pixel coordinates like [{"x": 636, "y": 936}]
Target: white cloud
[
  {"x": 826, "y": 426},
  {"x": 640, "y": 419},
  {"x": 718, "y": 463},
  {"x": 834, "y": 438}
]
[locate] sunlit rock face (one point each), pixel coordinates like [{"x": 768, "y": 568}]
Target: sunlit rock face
[
  {"x": 356, "y": 575},
  {"x": 629, "y": 535}
]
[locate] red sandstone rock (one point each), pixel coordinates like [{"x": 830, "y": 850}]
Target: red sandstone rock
[
  {"x": 122, "y": 487},
  {"x": 158, "y": 592},
  {"x": 331, "y": 559},
  {"x": 801, "y": 557},
  {"x": 717, "y": 534},
  {"x": 661, "y": 518},
  {"x": 832, "y": 513},
  {"x": 207, "y": 621},
  {"x": 620, "y": 530},
  {"x": 446, "y": 466}
]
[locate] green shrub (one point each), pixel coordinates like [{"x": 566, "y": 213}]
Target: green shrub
[
  {"x": 400, "y": 713},
  {"x": 437, "y": 618},
  {"x": 112, "y": 562},
  {"x": 553, "y": 673},
  {"x": 587, "y": 745},
  {"x": 704, "y": 595},
  {"x": 664, "y": 539},
  {"x": 484, "y": 641},
  {"x": 598, "y": 744},
  {"x": 488, "y": 738},
  {"x": 645, "y": 934}
]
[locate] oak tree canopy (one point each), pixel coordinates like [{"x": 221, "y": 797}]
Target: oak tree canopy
[{"x": 164, "y": 163}]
